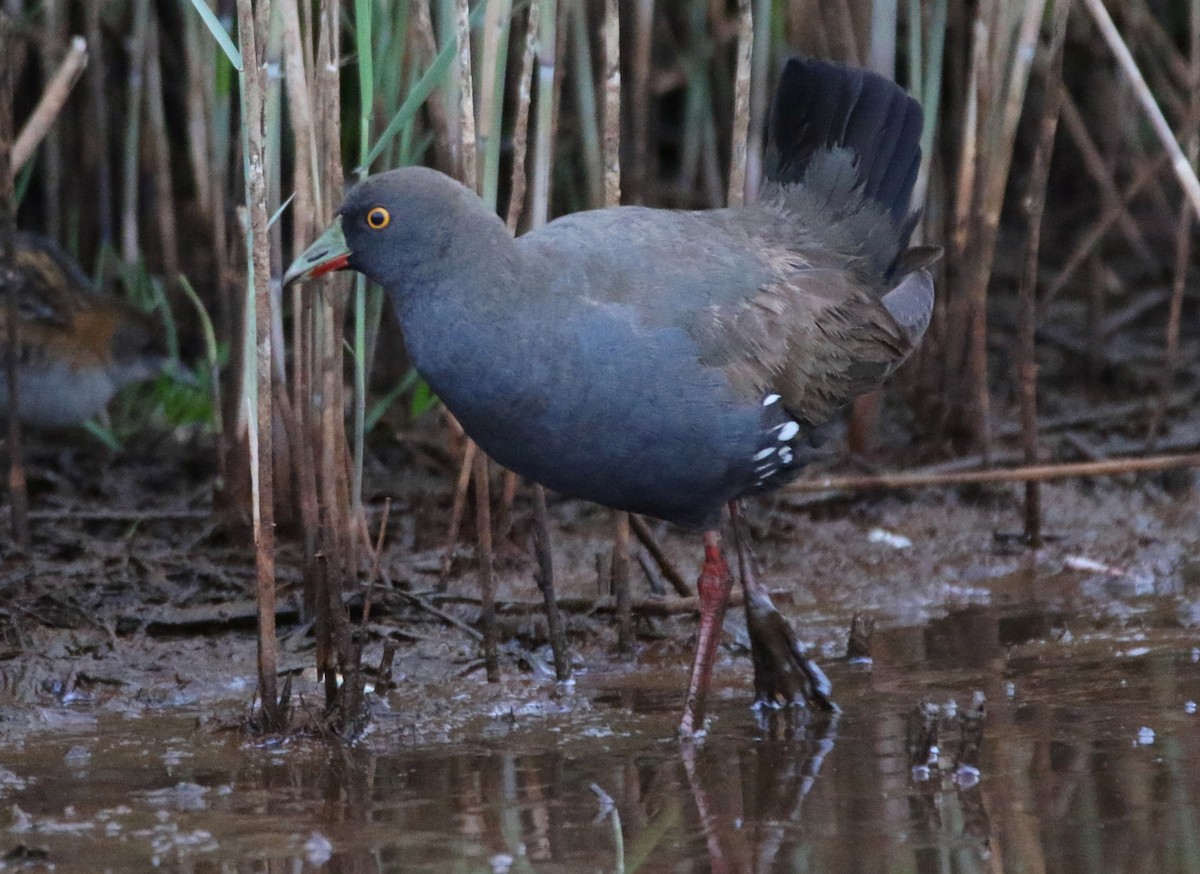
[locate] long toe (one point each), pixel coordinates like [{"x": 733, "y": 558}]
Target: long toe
[{"x": 783, "y": 675}]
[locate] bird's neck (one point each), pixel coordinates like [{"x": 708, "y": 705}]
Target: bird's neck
[{"x": 455, "y": 305}]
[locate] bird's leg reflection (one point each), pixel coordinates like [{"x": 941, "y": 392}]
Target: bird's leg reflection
[{"x": 784, "y": 772}]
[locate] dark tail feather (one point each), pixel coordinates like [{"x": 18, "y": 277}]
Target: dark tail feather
[{"x": 820, "y": 108}]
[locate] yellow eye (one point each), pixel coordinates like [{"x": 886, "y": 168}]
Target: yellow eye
[{"x": 378, "y": 218}]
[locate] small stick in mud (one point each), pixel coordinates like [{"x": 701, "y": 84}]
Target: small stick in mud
[{"x": 643, "y": 533}]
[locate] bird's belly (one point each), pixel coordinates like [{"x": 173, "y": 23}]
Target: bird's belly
[
  {"x": 661, "y": 448},
  {"x": 595, "y": 407},
  {"x": 59, "y": 396}
]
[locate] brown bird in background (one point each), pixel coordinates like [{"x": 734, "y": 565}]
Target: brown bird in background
[{"x": 78, "y": 346}]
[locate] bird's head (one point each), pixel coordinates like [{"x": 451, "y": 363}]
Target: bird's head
[{"x": 392, "y": 227}]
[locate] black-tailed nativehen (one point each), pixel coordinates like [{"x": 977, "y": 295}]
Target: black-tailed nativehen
[{"x": 669, "y": 362}]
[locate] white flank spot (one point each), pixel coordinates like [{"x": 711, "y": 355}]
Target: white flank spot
[
  {"x": 770, "y": 399},
  {"x": 759, "y": 456},
  {"x": 788, "y": 431},
  {"x": 785, "y": 455}
]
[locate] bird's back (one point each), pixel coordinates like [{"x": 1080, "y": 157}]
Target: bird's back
[{"x": 666, "y": 362}]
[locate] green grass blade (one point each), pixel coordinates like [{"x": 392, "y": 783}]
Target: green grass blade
[
  {"x": 219, "y": 33},
  {"x": 419, "y": 93}
]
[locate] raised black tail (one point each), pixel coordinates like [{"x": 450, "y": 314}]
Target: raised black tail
[{"x": 851, "y": 139}]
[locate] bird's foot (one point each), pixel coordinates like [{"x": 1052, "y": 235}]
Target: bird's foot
[{"x": 783, "y": 675}]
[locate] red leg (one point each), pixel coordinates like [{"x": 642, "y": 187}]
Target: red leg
[{"x": 714, "y": 586}]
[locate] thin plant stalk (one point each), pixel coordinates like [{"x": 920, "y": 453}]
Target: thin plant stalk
[
  {"x": 251, "y": 38},
  {"x": 1183, "y": 240},
  {"x": 545, "y": 115},
  {"x": 760, "y": 62},
  {"x": 882, "y": 52},
  {"x": 466, "y": 98},
  {"x": 157, "y": 118},
  {"x": 639, "y": 169},
  {"x": 611, "y": 76},
  {"x": 17, "y": 488},
  {"x": 97, "y": 120},
  {"x": 585, "y": 95},
  {"x": 539, "y": 210},
  {"x": 487, "y": 582},
  {"x": 516, "y": 200},
  {"x": 1035, "y": 203},
  {"x": 497, "y": 23},
  {"x": 131, "y": 170},
  {"x": 1179, "y": 161},
  {"x": 739, "y": 137},
  {"x": 54, "y": 97},
  {"x": 53, "y": 45},
  {"x": 611, "y": 163},
  {"x": 366, "y": 102}
]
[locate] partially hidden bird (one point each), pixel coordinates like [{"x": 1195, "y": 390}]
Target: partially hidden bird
[
  {"x": 669, "y": 362},
  {"x": 76, "y": 346}
]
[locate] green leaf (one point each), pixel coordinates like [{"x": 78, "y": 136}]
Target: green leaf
[
  {"x": 104, "y": 435},
  {"x": 423, "y": 399},
  {"x": 219, "y": 33},
  {"x": 419, "y": 93}
]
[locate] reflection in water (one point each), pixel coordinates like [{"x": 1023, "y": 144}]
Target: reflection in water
[{"x": 1089, "y": 762}]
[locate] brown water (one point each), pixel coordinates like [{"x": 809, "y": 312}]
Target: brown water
[{"x": 1089, "y": 761}]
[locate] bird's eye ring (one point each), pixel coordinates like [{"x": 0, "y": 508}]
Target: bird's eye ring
[{"x": 378, "y": 218}]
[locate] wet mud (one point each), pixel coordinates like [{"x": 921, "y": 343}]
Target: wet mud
[{"x": 1018, "y": 711}]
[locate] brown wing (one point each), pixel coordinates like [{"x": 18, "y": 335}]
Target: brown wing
[
  {"x": 815, "y": 336},
  {"x": 63, "y": 317}
]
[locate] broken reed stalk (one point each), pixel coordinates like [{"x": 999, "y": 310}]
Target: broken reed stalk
[
  {"x": 646, "y": 537},
  {"x": 18, "y": 493},
  {"x": 1035, "y": 204},
  {"x": 1027, "y": 473},
  {"x": 253, "y": 76},
  {"x": 53, "y": 98},
  {"x": 1179, "y": 161}
]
